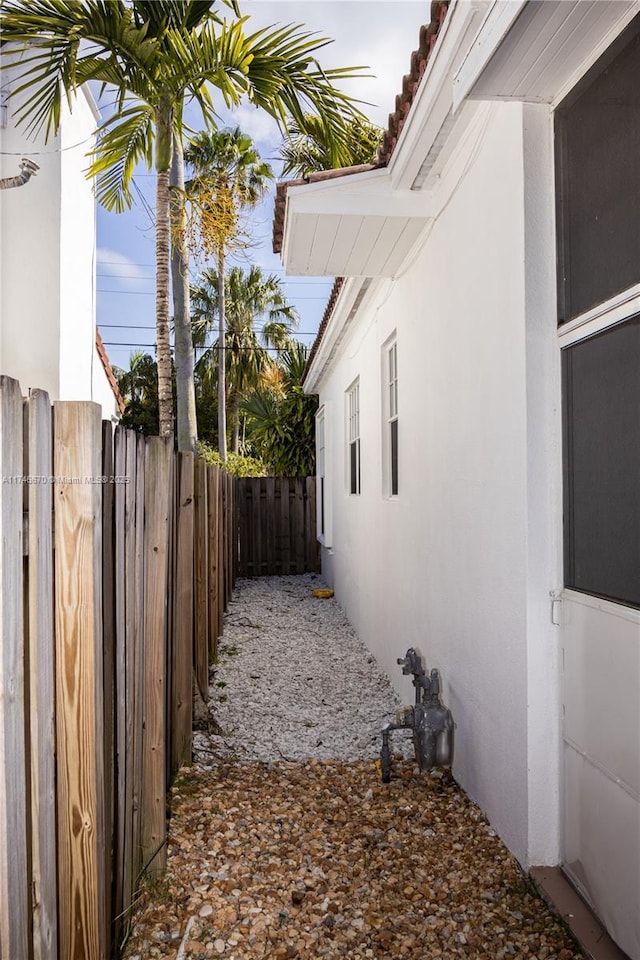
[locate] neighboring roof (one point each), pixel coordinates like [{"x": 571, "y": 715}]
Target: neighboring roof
[
  {"x": 397, "y": 119},
  {"x": 108, "y": 369}
]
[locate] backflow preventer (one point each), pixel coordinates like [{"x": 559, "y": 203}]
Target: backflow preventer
[{"x": 430, "y": 721}]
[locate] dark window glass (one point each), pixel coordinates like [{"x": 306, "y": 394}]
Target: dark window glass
[
  {"x": 322, "y": 505},
  {"x": 354, "y": 468},
  {"x": 394, "y": 457},
  {"x": 601, "y": 390},
  {"x": 598, "y": 180}
]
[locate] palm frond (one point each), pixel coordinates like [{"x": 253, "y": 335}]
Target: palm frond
[{"x": 123, "y": 141}]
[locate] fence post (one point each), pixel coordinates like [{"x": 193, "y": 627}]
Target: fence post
[
  {"x": 15, "y": 920},
  {"x": 42, "y": 679},
  {"x": 157, "y": 495},
  {"x": 79, "y": 680}
]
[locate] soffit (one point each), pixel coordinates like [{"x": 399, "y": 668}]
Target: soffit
[{"x": 535, "y": 51}]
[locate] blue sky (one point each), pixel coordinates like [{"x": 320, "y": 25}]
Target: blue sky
[{"x": 377, "y": 33}]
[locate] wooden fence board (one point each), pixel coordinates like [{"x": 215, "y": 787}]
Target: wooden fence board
[
  {"x": 201, "y": 625},
  {"x": 121, "y": 490},
  {"x": 138, "y": 671},
  {"x": 15, "y": 918},
  {"x": 79, "y": 681},
  {"x": 182, "y": 666},
  {"x": 275, "y": 522},
  {"x": 212, "y": 563},
  {"x": 42, "y": 679},
  {"x": 157, "y": 500},
  {"x": 220, "y": 539},
  {"x": 284, "y": 538},
  {"x": 109, "y": 663}
]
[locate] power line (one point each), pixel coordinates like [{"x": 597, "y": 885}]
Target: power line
[
  {"x": 151, "y": 293},
  {"x": 146, "y": 326},
  {"x": 152, "y": 346},
  {"x": 302, "y": 283}
]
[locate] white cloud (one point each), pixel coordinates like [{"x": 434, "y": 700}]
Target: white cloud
[{"x": 113, "y": 262}]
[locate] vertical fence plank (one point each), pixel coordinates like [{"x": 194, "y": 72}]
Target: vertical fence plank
[
  {"x": 229, "y": 536},
  {"x": 121, "y": 491},
  {"x": 220, "y": 546},
  {"x": 201, "y": 625},
  {"x": 109, "y": 665},
  {"x": 270, "y": 545},
  {"x": 139, "y": 665},
  {"x": 157, "y": 497},
  {"x": 79, "y": 680},
  {"x": 234, "y": 531},
  {"x": 15, "y": 919},
  {"x": 310, "y": 540},
  {"x": 212, "y": 563},
  {"x": 285, "y": 523},
  {"x": 42, "y": 679},
  {"x": 299, "y": 525},
  {"x": 182, "y": 667}
]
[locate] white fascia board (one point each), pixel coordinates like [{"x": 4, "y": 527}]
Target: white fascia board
[
  {"x": 359, "y": 195},
  {"x": 353, "y": 297},
  {"x": 433, "y": 102},
  {"x": 93, "y": 106},
  {"x": 497, "y": 23}
]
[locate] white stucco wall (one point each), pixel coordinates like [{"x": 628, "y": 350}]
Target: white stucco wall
[
  {"x": 461, "y": 563},
  {"x": 47, "y": 244}
]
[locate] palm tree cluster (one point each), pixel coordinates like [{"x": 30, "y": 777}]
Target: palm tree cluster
[
  {"x": 250, "y": 298},
  {"x": 155, "y": 55}
]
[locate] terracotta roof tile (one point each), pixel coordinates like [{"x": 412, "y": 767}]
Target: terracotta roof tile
[
  {"x": 113, "y": 383},
  {"x": 404, "y": 100}
]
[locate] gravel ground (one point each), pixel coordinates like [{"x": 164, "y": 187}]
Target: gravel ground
[{"x": 283, "y": 841}]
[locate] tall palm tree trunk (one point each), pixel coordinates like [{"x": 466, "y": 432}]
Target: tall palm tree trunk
[
  {"x": 187, "y": 425},
  {"x": 164, "y": 140},
  {"x": 222, "y": 400}
]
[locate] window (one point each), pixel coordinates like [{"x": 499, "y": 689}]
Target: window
[
  {"x": 602, "y": 464},
  {"x": 598, "y": 195},
  {"x": 323, "y": 476},
  {"x": 597, "y": 131},
  {"x": 390, "y": 461},
  {"x": 353, "y": 438}
]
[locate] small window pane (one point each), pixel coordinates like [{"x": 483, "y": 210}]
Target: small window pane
[
  {"x": 394, "y": 457},
  {"x": 354, "y": 467},
  {"x": 601, "y": 391}
]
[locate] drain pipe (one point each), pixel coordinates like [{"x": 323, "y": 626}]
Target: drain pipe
[
  {"x": 429, "y": 720},
  {"x": 28, "y": 169}
]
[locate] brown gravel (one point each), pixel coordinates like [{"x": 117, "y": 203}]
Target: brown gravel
[{"x": 320, "y": 859}]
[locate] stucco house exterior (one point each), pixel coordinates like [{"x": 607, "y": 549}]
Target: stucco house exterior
[
  {"x": 48, "y": 335},
  {"x": 478, "y": 370}
]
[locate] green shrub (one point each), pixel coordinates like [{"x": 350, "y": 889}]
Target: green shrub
[{"x": 236, "y": 464}]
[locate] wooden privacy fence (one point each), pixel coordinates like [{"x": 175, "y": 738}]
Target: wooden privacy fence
[
  {"x": 116, "y": 565},
  {"x": 277, "y": 526}
]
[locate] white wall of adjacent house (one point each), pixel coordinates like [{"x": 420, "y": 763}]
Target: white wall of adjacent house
[
  {"x": 461, "y": 562},
  {"x": 47, "y": 245}
]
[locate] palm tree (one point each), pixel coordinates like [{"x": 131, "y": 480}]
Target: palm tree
[
  {"x": 228, "y": 175},
  {"x": 139, "y": 388},
  {"x": 250, "y": 298},
  {"x": 306, "y": 150},
  {"x": 156, "y": 54},
  {"x": 282, "y": 417}
]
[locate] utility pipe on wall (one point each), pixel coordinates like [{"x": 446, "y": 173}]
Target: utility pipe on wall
[{"x": 28, "y": 169}]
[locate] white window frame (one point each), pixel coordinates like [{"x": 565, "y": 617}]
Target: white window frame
[
  {"x": 352, "y": 433},
  {"x": 390, "y": 417},
  {"x": 324, "y": 513}
]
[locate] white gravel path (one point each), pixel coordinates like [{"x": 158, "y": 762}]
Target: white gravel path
[{"x": 293, "y": 681}]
